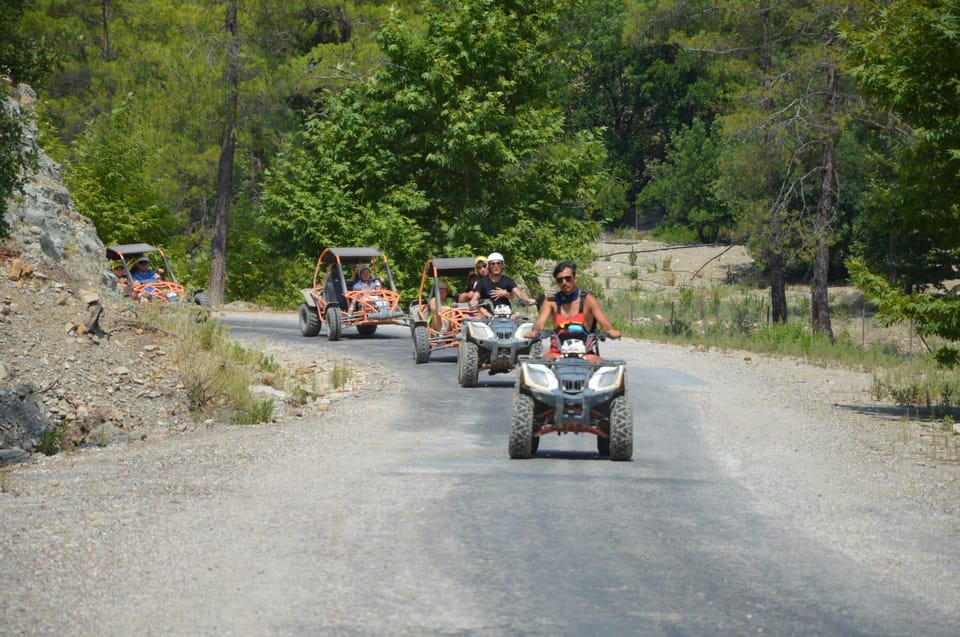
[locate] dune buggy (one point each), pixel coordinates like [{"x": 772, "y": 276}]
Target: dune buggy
[
  {"x": 434, "y": 329},
  {"x": 493, "y": 343},
  {"x": 165, "y": 289},
  {"x": 333, "y": 303},
  {"x": 571, "y": 394}
]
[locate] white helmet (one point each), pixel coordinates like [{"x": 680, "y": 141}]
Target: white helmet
[{"x": 495, "y": 256}]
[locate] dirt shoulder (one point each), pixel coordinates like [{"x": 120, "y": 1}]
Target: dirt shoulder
[{"x": 818, "y": 451}]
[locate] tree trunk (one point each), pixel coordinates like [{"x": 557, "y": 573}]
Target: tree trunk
[
  {"x": 105, "y": 46},
  {"x": 820, "y": 305},
  {"x": 776, "y": 262},
  {"x": 778, "y": 289},
  {"x": 218, "y": 243}
]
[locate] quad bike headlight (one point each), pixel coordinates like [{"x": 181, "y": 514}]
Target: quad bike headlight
[
  {"x": 606, "y": 378},
  {"x": 479, "y": 330},
  {"x": 539, "y": 378},
  {"x": 521, "y": 332}
]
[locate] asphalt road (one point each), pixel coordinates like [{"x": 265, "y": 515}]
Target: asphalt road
[{"x": 436, "y": 531}]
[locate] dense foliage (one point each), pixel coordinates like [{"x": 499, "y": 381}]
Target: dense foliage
[
  {"x": 22, "y": 59},
  {"x": 810, "y": 130}
]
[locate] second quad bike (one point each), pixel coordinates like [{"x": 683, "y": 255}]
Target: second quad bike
[
  {"x": 572, "y": 394},
  {"x": 165, "y": 289},
  {"x": 495, "y": 344},
  {"x": 436, "y": 326},
  {"x": 332, "y": 302}
]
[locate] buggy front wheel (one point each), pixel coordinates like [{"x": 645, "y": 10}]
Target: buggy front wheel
[
  {"x": 309, "y": 320},
  {"x": 421, "y": 344},
  {"x": 333, "y": 323}
]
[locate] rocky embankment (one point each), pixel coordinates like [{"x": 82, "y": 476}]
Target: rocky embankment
[{"x": 76, "y": 368}]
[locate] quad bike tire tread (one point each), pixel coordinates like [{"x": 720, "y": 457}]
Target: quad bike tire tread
[
  {"x": 621, "y": 429},
  {"x": 521, "y": 427},
  {"x": 468, "y": 364}
]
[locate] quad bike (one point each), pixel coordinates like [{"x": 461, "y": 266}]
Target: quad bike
[
  {"x": 331, "y": 302},
  {"x": 572, "y": 394},
  {"x": 167, "y": 290},
  {"x": 440, "y": 330},
  {"x": 495, "y": 344}
]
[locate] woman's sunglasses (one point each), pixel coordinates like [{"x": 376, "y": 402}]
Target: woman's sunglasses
[
  {"x": 564, "y": 279},
  {"x": 481, "y": 265}
]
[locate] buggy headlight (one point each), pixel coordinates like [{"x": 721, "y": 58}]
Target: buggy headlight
[
  {"x": 606, "y": 378},
  {"x": 479, "y": 330},
  {"x": 521, "y": 332},
  {"x": 540, "y": 378}
]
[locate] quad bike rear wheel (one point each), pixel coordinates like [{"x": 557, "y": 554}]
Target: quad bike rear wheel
[
  {"x": 468, "y": 364},
  {"x": 421, "y": 344},
  {"x": 309, "y": 320},
  {"x": 521, "y": 427},
  {"x": 333, "y": 323},
  {"x": 621, "y": 429}
]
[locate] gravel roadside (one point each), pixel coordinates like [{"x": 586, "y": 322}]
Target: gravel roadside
[{"x": 808, "y": 442}]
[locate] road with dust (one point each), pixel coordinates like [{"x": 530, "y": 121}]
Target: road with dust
[{"x": 398, "y": 512}]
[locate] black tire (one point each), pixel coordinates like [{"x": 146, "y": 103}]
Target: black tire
[
  {"x": 202, "y": 299},
  {"x": 366, "y": 330},
  {"x": 521, "y": 427},
  {"x": 309, "y": 320},
  {"x": 333, "y": 323},
  {"x": 468, "y": 364},
  {"x": 621, "y": 429},
  {"x": 421, "y": 344},
  {"x": 603, "y": 445}
]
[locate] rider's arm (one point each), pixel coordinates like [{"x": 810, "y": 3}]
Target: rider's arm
[
  {"x": 593, "y": 305},
  {"x": 518, "y": 292},
  {"x": 546, "y": 311}
]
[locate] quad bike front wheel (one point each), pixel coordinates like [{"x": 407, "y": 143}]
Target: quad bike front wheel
[
  {"x": 421, "y": 344},
  {"x": 621, "y": 429},
  {"x": 334, "y": 327},
  {"x": 468, "y": 364},
  {"x": 309, "y": 320},
  {"x": 521, "y": 427}
]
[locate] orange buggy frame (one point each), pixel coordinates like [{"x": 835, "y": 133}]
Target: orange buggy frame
[
  {"x": 165, "y": 291},
  {"x": 443, "y": 330},
  {"x": 331, "y": 302}
]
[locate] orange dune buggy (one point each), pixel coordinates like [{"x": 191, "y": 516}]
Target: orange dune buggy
[
  {"x": 332, "y": 301},
  {"x": 165, "y": 289},
  {"x": 433, "y": 331}
]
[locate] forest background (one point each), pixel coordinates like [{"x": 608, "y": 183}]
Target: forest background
[{"x": 245, "y": 136}]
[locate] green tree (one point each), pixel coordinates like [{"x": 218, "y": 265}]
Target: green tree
[
  {"x": 906, "y": 57},
  {"x": 113, "y": 180},
  {"x": 455, "y": 145},
  {"x": 683, "y": 184},
  {"x": 22, "y": 59},
  {"x": 783, "y": 126}
]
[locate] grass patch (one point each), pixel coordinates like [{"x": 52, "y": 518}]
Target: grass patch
[
  {"x": 217, "y": 372},
  {"x": 736, "y": 318}
]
